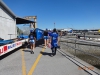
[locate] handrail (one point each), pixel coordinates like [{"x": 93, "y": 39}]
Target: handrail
[{"x": 83, "y": 42}]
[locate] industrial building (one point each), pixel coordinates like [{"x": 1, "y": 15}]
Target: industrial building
[{"x": 8, "y": 21}]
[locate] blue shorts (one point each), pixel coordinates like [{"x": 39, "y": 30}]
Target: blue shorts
[
  {"x": 32, "y": 41},
  {"x": 46, "y": 37}
]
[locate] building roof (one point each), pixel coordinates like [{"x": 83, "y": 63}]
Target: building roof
[
  {"x": 6, "y": 8},
  {"x": 18, "y": 19},
  {"x": 23, "y": 21}
]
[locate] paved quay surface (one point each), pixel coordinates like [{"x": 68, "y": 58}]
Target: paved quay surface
[{"x": 22, "y": 62}]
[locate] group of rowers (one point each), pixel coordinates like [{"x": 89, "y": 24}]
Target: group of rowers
[{"x": 51, "y": 39}]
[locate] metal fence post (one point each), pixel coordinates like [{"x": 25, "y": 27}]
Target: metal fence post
[
  {"x": 67, "y": 44},
  {"x": 75, "y": 48}
]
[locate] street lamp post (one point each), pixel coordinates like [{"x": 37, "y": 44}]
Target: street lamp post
[{"x": 54, "y": 24}]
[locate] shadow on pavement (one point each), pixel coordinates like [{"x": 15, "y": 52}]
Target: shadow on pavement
[
  {"x": 27, "y": 50},
  {"x": 46, "y": 53}
]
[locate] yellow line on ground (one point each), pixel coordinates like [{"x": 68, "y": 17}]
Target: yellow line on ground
[
  {"x": 35, "y": 64},
  {"x": 23, "y": 63}
]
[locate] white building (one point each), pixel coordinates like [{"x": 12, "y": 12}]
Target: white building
[
  {"x": 7, "y": 22},
  {"x": 68, "y": 30}
]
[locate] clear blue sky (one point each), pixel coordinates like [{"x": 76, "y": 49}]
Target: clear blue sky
[{"x": 77, "y": 14}]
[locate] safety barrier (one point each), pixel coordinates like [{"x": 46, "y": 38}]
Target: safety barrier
[
  {"x": 88, "y": 51},
  {"x": 9, "y": 47}
]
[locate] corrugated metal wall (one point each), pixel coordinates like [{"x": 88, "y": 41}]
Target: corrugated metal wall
[{"x": 7, "y": 25}]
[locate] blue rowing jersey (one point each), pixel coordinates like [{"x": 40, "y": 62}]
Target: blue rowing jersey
[
  {"x": 54, "y": 40},
  {"x": 31, "y": 37}
]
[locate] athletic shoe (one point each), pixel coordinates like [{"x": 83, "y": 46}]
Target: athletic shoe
[
  {"x": 52, "y": 55},
  {"x": 33, "y": 52}
]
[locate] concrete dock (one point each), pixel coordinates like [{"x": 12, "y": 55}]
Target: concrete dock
[{"x": 22, "y": 62}]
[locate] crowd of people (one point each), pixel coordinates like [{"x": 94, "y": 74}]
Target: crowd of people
[{"x": 51, "y": 40}]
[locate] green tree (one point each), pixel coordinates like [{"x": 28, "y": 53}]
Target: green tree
[{"x": 19, "y": 31}]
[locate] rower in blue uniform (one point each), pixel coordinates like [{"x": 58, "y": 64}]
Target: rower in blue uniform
[{"x": 54, "y": 41}]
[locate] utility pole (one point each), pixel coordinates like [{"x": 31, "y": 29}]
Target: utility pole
[{"x": 54, "y": 24}]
